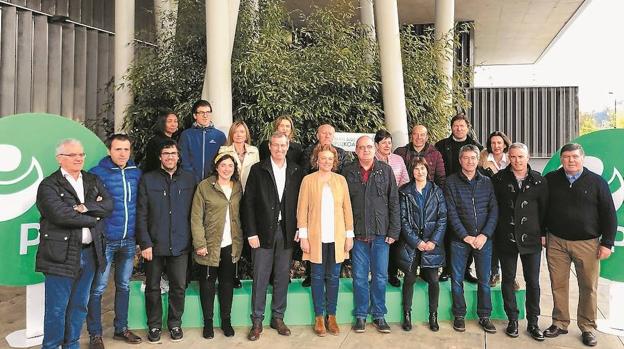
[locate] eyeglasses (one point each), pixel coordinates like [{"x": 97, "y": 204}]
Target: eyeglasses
[
  {"x": 74, "y": 155},
  {"x": 169, "y": 154},
  {"x": 203, "y": 113}
]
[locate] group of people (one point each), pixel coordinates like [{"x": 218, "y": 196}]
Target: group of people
[{"x": 216, "y": 199}]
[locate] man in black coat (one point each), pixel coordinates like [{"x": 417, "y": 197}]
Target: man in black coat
[
  {"x": 449, "y": 148},
  {"x": 164, "y": 235},
  {"x": 71, "y": 203},
  {"x": 522, "y": 196},
  {"x": 581, "y": 225},
  {"x": 269, "y": 217}
]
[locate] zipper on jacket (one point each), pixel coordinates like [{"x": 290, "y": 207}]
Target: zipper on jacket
[
  {"x": 203, "y": 152},
  {"x": 126, "y": 199},
  {"x": 474, "y": 208}
]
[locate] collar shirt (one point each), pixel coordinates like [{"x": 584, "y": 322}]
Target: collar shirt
[
  {"x": 78, "y": 186},
  {"x": 573, "y": 178},
  {"x": 503, "y": 163},
  {"x": 280, "y": 180}
]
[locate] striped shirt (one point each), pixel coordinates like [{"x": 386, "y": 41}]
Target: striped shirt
[{"x": 398, "y": 167}]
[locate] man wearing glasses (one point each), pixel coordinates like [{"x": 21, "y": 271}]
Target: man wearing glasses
[
  {"x": 164, "y": 235},
  {"x": 200, "y": 144},
  {"x": 72, "y": 203}
]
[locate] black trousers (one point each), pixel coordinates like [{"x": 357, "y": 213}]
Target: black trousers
[
  {"x": 266, "y": 260},
  {"x": 531, "y": 269},
  {"x": 207, "y": 285},
  {"x": 430, "y": 275},
  {"x": 393, "y": 268},
  {"x": 176, "y": 267}
]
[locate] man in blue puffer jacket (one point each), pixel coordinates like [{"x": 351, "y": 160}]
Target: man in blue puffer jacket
[
  {"x": 121, "y": 178},
  {"x": 472, "y": 214},
  {"x": 200, "y": 144}
]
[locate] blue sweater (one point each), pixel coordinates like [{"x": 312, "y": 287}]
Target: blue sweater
[
  {"x": 122, "y": 184},
  {"x": 198, "y": 148}
]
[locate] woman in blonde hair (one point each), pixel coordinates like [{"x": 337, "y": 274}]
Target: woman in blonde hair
[
  {"x": 238, "y": 145},
  {"x": 325, "y": 223}
]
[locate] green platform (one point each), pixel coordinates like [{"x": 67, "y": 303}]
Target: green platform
[{"x": 300, "y": 310}]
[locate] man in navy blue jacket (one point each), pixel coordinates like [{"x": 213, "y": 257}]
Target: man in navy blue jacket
[
  {"x": 472, "y": 215},
  {"x": 200, "y": 144},
  {"x": 164, "y": 235},
  {"x": 121, "y": 178}
]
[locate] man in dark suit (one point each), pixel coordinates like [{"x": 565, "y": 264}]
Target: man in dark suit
[
  {"x": 72, "y": 203},
  {"x": 269, "y": 213}
]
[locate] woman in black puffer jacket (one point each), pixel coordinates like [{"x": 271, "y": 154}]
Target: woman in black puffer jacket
[{"x": 423, "y": 223}]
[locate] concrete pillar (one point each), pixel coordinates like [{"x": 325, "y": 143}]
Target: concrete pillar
[
  {"x": 166, "y": 15},
  {"x": 124, "y": 55},
  {"x": 444, "y": 25},
  {"x": 234, "y": 8},
  {"x": 218, "y": 78},
  {"x": 367, "y": 16},
  {"x": 393, "y": 91}
]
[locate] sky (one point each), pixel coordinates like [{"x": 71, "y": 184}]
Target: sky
[{"x": 588, "y": 54}]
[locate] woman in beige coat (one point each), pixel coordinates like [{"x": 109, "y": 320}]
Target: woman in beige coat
[
  {"x": 217, "y": 239},
  {"x": 238, "y": 145},
  {"x": 325, "y": 223}
]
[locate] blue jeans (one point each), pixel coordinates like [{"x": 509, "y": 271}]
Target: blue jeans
[
  {"x": 370, "y": 256},
  {"x": 66, "y": 304},
  {"x": 483, "y": 260},
  {"x": 325, "y": 278},
  {"x": 121, "y": 253}
]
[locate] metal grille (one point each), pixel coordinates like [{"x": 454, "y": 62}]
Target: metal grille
[{"x": 543, "y": 118}]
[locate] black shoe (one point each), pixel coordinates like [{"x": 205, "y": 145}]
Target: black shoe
[
  {"x": 469, "y": 278},
  {"x": 226, "y": 327},
  {"x": 307, "y": 282},
  {"x": 433, "y": 322},
  {"x": 589, "y": 339},
  {"x": 394, "y": 281},
  {"x": 512, "y": 328},
  {"x": 487, "y": 325},
  {"x": 127, "y": 336},
  {"x": 406, "y": 325},
  {"x": 208, "y": 331},
  {"x": 381, "y": 325},
  {"x": 153, "y": 335},
  {"x": 444, "y": 277},
  {"x": 95, "y": 342},
  {"x": 237, "y": 283},
  {"x": 535, "y": 332},
  {"x": 360, "y": 325},
  {"x": 176, "y": 334},
  {"x": 554, "y": 331},
  {"x": 459, "y": 324}
]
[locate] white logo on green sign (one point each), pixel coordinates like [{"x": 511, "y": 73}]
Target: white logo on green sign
[
  {"x": 27, "y": 146},
  {"x": 602, "y": 156}
]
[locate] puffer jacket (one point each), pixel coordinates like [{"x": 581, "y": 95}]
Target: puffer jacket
[
  {"x": 164, "y": 211},
  {"x": 375, "y": 203},
  {"x": 123, "y": 186},
  {"x": 208, "y": 214},
  {"x": 421, "y": 225},
  {"x": 61, "y": 226},
  {"x": 472, "y": 207},
  {"x": 198, "y": 148},
  {"x": 522, "y": 211}
]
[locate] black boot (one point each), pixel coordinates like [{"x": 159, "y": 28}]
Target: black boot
[
  {"x": 226, "y": 326},
  {"x": 433, "y": 322},
  {"x": 407, "y": 321},
  {"x": 208, "y": 332}
]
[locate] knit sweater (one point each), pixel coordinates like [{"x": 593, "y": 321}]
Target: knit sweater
[{"x": 582, "y": 210}]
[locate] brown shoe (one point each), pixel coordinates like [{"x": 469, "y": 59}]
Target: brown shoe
[
  {"x": 319, "y": 326},
  {"x": 256, "y": 329},
  {"x": 332, "y": 325},
  {"x": 95, "y": 342},
  {"x": 128, "y": 337},
  {"x": 280, "y": 326}
]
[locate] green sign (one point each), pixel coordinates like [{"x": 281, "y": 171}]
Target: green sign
[
  {"x": 602, "y": 156},
  {"x": 27, "y": 150}
]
